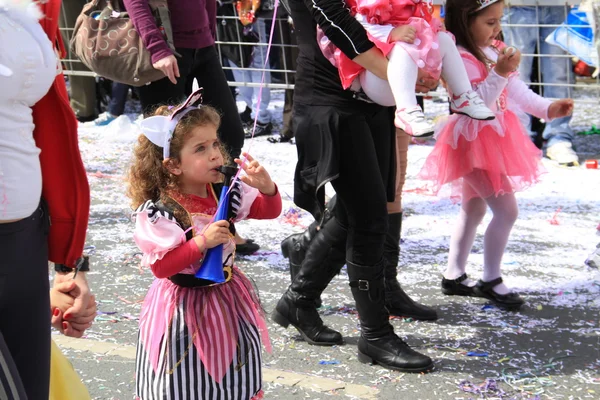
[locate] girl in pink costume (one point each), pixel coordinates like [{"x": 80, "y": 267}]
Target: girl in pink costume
[
  {"x": 411, "y": 38},
  {"x": 485, "y": 162},
  {"x": 197, "y": 339}
]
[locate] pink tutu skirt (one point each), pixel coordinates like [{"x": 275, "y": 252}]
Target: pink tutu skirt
[{"x": 482, "y": 158}]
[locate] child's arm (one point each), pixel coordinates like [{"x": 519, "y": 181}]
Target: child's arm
[
  {"x": 265, "y": 206},
  {"x": 191, "y": 251},
  {"x": 490, "y": 88},
  {"x": 177, "y": 260}
]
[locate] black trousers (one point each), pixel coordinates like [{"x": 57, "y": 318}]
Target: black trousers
[
  {"x": 25, "y": 308},
  {"x": 204, "y": 65},
  {"x": 362, "y": 159}
]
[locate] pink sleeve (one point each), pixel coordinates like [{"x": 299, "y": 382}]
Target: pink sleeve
[
  {"x": 145, "y": 24},
  {"x": 177, "y": 260},
  {"x": 266, "y": 207},
  {"x": 156, "y": 236},
  {"x": 527, "y": 100}
]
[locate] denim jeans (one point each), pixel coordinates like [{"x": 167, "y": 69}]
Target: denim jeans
[
  {"x": 553, "y": 70},
  {"x": 118, "y": 98},
  {"x": 250, "y": 94}
]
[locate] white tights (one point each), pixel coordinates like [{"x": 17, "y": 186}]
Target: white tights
[
  {"x": 402, "y": 72},
  {"x": 505, "y": 212}
]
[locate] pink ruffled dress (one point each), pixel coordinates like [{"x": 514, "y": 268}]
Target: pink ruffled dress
[
  {"x": 424, "y": 51},
  {"x": 202, "y": 342},
  {"x": 476, "y": 158}
]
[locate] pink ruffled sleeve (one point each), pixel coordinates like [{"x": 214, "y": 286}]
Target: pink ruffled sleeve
[{"x": 156, "y": 237}]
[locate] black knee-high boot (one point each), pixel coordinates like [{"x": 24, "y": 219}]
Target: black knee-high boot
[
  {"x": 397, "y": 301},
  {"x": 294, "y": 246},
  {"x": 324, "y": 259},
  {"x": 378, "y": 344}
]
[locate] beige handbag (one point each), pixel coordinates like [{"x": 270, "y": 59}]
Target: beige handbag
[{"x": 106, "y": 41}]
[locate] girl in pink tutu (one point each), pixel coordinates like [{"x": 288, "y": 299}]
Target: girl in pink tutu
[
  {"x": 485, "y": 162},
  {"x": 197, "y": 338},
  {"x": 411, "y": 38}
]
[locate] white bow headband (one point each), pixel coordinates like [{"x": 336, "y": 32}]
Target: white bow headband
[{"x": 159, "y": 128}]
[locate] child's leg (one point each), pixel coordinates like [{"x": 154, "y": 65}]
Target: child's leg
[
  {"x": 453, "y": 68},
  {"x": 505, "y": 211},
  {"x": 465, "y": 100},
  {"x": 461, "y": 241},
  {"x": 402, "y": 77}
]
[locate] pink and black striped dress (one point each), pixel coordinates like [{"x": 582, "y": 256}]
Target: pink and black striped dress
[{"x": 198, "y": 342}]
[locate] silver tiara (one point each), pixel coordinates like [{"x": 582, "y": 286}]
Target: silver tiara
[{"x": 484, "y": 3}]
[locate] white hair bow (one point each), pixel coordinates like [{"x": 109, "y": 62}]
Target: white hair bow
[{"x": 159, "y": 128}]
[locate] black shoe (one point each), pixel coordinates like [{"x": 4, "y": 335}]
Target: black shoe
[
  {"x": 83, "y": 119},
  {"x": 400, "y": 304},
  {"x": 306, "y": 320},
  {"x": 261, "y": 130},
  {"x": 246, "y": 249},
  {"x": 393, "y": 353},
  {"x": 280, "y": 139},
  {"x": 510, "y": 301},
  {"x": 454, "y": 287},
  {"x": 246, "y": 115}
]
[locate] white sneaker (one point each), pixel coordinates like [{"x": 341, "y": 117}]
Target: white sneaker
[
  {"x": 563, "y": 153},
  {"x": 469, "y": 103},
  {"x": 413, "y": 122}
]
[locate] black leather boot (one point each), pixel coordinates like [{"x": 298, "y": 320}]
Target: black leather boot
[
  {"x": 378, "y": 344},
  {"x": 397, "y": 301},
  {"x": 294, "y": 246},
  {"x": 324, "y": 259}
]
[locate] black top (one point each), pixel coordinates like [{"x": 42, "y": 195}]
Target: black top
[{"x": 317, "y": 81}]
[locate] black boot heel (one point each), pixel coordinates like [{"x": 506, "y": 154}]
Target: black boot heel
[
  {"x": 280, "y": 319},
  {"x": 365, "y": 359}
]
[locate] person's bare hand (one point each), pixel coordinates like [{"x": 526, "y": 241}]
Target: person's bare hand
[
  {"x": 82, "y": 298},
  {"x": 425, "y": 82},
  {"x": 560, "y": 108},
  {"x": 168, "y": 66},
  {"x": 215, "y": 234},
  {"x": 508, "y": 61},
  {"x": 403, "y": 33},
  {"x": 256, "y": 175},
  {"x": 63, "y": 297}
]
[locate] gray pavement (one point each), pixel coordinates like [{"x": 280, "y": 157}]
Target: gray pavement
[{"x": 548, "y": 350}]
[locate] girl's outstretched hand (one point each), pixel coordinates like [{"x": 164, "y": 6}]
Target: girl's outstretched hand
[
  {"x": 560, "y": 108},
  {"x": 256, "y": 175}
]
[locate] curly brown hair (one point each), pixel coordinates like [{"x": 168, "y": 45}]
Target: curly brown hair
[
  {"x": 148, "y": 177},
  {"x": 459, "y": 16}
]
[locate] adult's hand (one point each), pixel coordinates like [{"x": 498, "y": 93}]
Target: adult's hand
[
  {"x": 168, "y": 66},
  {"x": 77, "y": 326},
  {"x": 83, "y": 311},
  {"x": 425, "y": 82}
]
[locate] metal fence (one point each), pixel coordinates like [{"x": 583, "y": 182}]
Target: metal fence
[{"x": 233, "y": 38}]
